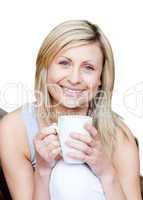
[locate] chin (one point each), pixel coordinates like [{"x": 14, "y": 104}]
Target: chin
[
  {"x": 74, "y": 102},
  {"x": 70, "y": 103}
]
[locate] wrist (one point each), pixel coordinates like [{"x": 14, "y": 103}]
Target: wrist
[{"x": 42, "y": 172}]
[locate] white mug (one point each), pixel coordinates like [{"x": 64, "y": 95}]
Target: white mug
[{"x": 66, "y": 125}]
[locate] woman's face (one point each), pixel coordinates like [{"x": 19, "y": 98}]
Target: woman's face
[{"x": 74, "y": 75}]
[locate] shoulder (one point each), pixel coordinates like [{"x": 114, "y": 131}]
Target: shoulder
[
  {"x": 12, "y": 121},
  {"x": 13, "y": 133},
  {"x": 124, "y": 135},
  {"x": 126, "y": 152}
]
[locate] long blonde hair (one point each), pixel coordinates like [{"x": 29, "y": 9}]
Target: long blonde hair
[{"x": 69, "y": 34}]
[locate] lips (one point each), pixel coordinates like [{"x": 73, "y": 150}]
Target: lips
[{"x": 71, "y": 92}]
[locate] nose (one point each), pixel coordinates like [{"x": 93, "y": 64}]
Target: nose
[{"x": 74, "y": 76}]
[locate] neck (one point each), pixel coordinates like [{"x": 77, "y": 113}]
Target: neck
[
  {"x": 70, "y": 111},
  {"x": 62, "y": 110}
]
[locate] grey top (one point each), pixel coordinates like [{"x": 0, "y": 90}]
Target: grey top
[{"x": 29, "y": 116}]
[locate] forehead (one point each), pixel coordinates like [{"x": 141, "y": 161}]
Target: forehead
[{"x": 84, "y": 52}]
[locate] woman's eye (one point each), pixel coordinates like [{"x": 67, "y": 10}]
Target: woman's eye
[
  {"x": 63, "y": 62},
  {"x": 89, "y": 67}
]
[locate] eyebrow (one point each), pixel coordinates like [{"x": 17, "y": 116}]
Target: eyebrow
[
  {"x": 94, "y": 62},
  {"x": 66, "y": 58}
]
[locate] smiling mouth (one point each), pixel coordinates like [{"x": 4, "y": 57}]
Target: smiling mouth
[{"x": 71, "y": 92}]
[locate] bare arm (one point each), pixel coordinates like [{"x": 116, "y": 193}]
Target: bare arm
[
  {"x": 41, "y": 185},
  {"x": 13, "y": 154},
  {"x": 47, "y": 150},
  {"x": 112, "y": 188},
  {"x": 126, "y": 162},
  {"x": 24, "y": 183}
]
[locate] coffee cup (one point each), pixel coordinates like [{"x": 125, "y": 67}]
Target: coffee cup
[{"x": 68, "y": 124}]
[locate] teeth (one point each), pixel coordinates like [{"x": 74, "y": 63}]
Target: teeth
[{"x": 72, "y": 92}]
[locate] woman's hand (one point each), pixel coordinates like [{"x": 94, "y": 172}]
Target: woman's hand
[
  {"x": 90, "y": 150},
  {"x": 47, "y": 147}
]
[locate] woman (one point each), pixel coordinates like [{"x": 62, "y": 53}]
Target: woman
[{"x": 74, "y": 75}]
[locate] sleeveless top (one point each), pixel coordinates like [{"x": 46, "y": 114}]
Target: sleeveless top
[{"x": 67, "y": 181}]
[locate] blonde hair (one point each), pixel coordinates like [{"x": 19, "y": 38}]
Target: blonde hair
[{"x": 69, "y": 34}]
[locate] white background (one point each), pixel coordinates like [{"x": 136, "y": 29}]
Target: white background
[{"x": 24, "y": 25}]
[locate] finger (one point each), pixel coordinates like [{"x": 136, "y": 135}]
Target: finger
[
  {"x": 50, "y": 139},
  {"x": 45, "y": 131},
  {"x": 47, "y": 141},
  {"x": 78, "y": 145},
  {"x": 92, "y": 130},
  {"x": 48, "y": 149},
  {"x": 90, "y": 160},
  {"x": 77, "y": 155},
  {"x": 56, "y": 152},
  {"x": 50, "y": 128},
  {"x": 84, "y": 138},
  {"x": 53, "y": 145},
  {"x": 43, "y": 135}
]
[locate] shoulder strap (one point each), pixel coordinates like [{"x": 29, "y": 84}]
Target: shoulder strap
[{"x": 29, "y": 117}]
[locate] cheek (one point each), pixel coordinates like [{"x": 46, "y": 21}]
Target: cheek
[
  {"x": 54, "y": 75},
  {"x": 93, "y": 82}
]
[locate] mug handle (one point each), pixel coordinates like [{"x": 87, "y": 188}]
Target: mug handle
[{"x": 53, "y": 125}]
